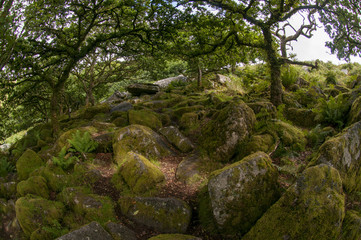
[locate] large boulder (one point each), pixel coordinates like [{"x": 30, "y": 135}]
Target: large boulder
[
  {"x": 87, "y": 206},
  {"x": 145, "y": 117},
  {"x": 120, "y": 232},
  {"x": 122, "y": 107},
  {"x": 139, "y": 139},
  {"x": 262, "y": 142},
  {"x": 343, "y": 152},
  {"x": 240, "y": 193},
  {"x": 312, "y": 208},
  {"x": 27, "y": 163},
  {"x": 167, "y": 81},
  {"x": 166, "y": 215},
  {"x": 35, "y": 212},
  {"x": 301, "y": 117},
  {"x": 33, "y": 185},
  {"x": 137, "y": 89},
  {"x": 176, "y": 138},
  {"x": 227, "y": 128},
  {"x": 139, "y": 175},
  {"x": 91, "y": 231},
  {"x": 189, "y": 169}
]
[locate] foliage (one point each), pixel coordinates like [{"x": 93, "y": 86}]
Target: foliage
[
  {"x": 289, "y": 75},
  {"x": 318, "y": 135},
  {"x": 331, "y": 77},
  {"x": 5, "y": 167},
  {"x": 332, "y": 112},
  {"x": 82, "y": 142},
  {"x": 64, "y": 161}
]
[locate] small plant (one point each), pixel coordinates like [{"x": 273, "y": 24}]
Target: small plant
[
  {"x": 64, "y": 161},
  {"x": 82, "y": 143},
  {"x": 332, "y": 112},
  {"x": 289, "y": 76},
  {"x": 318, "y": 135},
  {"x": 331, "y": 78},
  {"x": 5, "y": 167}
]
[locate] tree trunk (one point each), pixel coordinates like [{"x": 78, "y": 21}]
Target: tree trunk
[
  {"x": 199, "y": 80},
  {"x": 275, "y": 68},
  {"x": 89, "y": 97},
  {"x": 54, "y": 110}
]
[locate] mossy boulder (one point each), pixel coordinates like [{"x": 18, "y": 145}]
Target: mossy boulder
[
  {"x": 290, "y": 136},
  {"x": 139, "y": 175},
  {"x": 189, "y": 169},
  {"x": 145, "y": 117},
  {"x": 343, "y": 152},
  {"x": 312, "y": 208},
  {"x": 166, "y": 215},
  {"x": 139, "y": 139},
  {"x": 263, "y": 109},
  {"x": 355, "y": 112},
  {"x": 351, "y": 225},
  {"x": 190, "y": 121},
  {"x": 262, "y": 142},
  {"x": 227, "y": 128},
  {"x": 301, "y": 117},
  {"x": 90, "y": 112},
  {"x": 55, "y": 177},
  {"x": 176, "y": 138},
  {"x": 35, "y": 212},
  {"x": 120, "y": 232},
  {"x": 178, "y": 112},
  {"x": 240, "y": 193},
  {"x": 90, "y": 231},
  {"x": 27, "y": 163},
  {"x": 35, "y": 185},
  {"x": 173, "y": 237},
  {"x": 88, "y": 206}
]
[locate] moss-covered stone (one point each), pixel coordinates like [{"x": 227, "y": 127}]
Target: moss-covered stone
[
  {"x": 240, "y": 193},
  {"x": 190, "y": 121},
  {"x": 139, "y": 175},
  {"x": 263, "y": 110},
  {"x": 176, "y": 138},
  {"x": 139, "y": 139},
  {"x": 121, "y": 121},
  {"x": 174, "y": 237},
  {"x": 145, "y": 117},
  {"x": 166, "y": 215},
  {"x": 90, "y": 112},
  {"x": 55, "y": 177},
  {"x": 290, "y": 136},
  {"x": 33, "y": 185},
  {"x": 90, "y": 207},
  {"x": 48, "y": 233},
  {"x": 344, "y": 153},
  {"x": 301, "y": 117},
  {"x": 355, "y": 112},
  {"x": 120, "y": 232},
  {"x": 180, "y": 111},
  {"x": 90, "y": 231},
  {"x": 312, "y": 208},
  {"x": 7, "y": 189},
  {"x": 189, "y": 170},
  {"x": 263, "y": 142},
  {"x": 351, "y": 225},
  {"x": 227, "y": 128},
  {"x": 35, "y": 212},
  {"x": 27, "y": 163}
]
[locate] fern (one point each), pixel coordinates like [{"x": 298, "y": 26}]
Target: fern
[
  {"x": 5, "y": 167},
  {"x": 63, "y": 161},
  {"x": 82, "y": 143},
  {"x": 332, "y": 111}
]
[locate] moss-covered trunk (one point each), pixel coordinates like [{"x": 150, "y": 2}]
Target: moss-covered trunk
[
  {"x": 275, "y": 68},
  {"x": 54, "y": 110}
]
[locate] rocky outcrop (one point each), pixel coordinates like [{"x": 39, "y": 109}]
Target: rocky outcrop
[
  {"x": 240, "y": 193},
  {"x": 227, "y": 128},
  {"x": 139, "y": 139},
  {"x": 167, "y": 81},
  {"x": 92, "y": 231},
  {"x": 139, "y": 175},
  {"x": 312, "y": 208},
  {"x": 166, "y": 215},
  {"x": 176, "y": 138},
  {"x": 137, "y": 89},
  {"x": 343, "y": 152}
]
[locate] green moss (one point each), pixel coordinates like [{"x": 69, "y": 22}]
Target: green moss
[
  {"x": 178, "y": 112},
  {"x": 139, "y": 175},
  {"x": 7, "y": 189},
  {"x": 90, "y": 112},
  {"x": 145, "y": 117},
  {"x": 173, "y": 237},
  {"x": 48, "y": 232},
  {"x": 34, "y": 185},
  {"x": 27, "y": 163},
  {"x": 312, "y": 208},
  {"x": 355, "y": 112},
  {"x": 121, "y": 121},
  {"x": 301, "y": 117},
  {"x": 264, "y": 143},
  {"x": 35, "y": 212},
  {"x": 189, "y": 121}
]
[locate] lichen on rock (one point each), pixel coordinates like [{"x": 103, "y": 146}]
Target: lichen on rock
[{"x": 176, "y": 138}]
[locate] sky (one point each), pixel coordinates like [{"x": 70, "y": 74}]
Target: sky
[{"x": 314, "y": 48}]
